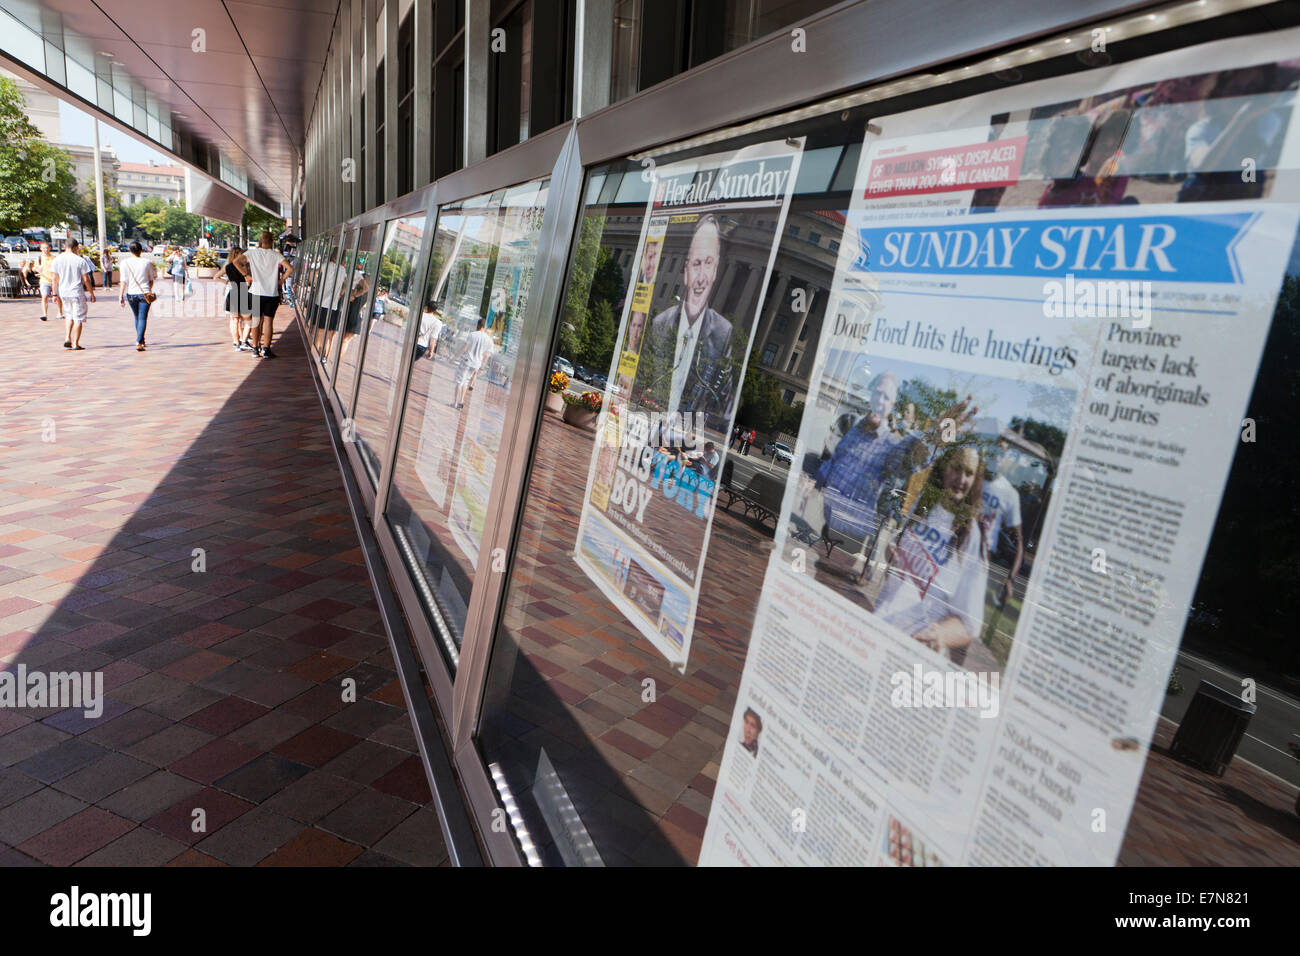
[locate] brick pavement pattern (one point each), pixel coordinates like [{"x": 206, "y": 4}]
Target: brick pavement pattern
[{"x": 223, "y": 667}]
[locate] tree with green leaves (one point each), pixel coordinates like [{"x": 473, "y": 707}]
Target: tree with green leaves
[
  {"x": 761, "y": 407},
  {"x": 84, "y": 213},
  {"x": 172, "y": 223},
  {"x": 258, "y": 220},
  {"x": 133, "y": 214},
  {"x": 221, "y": 232},
  {"x": 1049, "y": 436},
  {"x": 36, "y": 178},
  {"x": 598, "y": 342},
  {"x": 582, "y": 272}
]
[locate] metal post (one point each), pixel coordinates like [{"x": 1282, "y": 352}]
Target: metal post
[
  {"x": 422, "y": 95},
  {"x": 477, "y": 52},
  {"x": 99, "y": 210},
  {"x": 370, "y": 14},
  {"x": 356, "y": 83},
  {"x": 389, "y": 93},
  {"x": 593, "y": 55}
]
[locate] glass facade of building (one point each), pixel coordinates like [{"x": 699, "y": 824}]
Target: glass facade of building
[{"x": 663, "y": 576}]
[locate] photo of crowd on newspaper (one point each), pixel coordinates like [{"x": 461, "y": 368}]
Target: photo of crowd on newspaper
[{"x": 922, "y": 494}]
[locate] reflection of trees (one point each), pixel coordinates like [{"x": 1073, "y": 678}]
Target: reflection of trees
[
  {"x": 395, "y": 270},
  {"x": 761, "y": 407},
  {"x": 930, "y": 401},
  {"x": 593, "y": 300},
  {"x": 582, "y": 270},
  {"x": 1049, "y": 436}
]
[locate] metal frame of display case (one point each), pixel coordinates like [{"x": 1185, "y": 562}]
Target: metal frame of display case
[{"x": 859, "y": 47}]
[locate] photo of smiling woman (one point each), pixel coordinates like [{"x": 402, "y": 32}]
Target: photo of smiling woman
[{"x": 939, "y": 569}]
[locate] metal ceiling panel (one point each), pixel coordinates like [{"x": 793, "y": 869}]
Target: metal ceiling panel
[{"x": 248, "y": 92}]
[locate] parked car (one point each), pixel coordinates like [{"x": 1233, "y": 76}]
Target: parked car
[
  {"x": 582, "y": 374},
  {"x": 598, "y": 380},
  {"x": 779, "y": 452},
  {"x": 16, "y": 244},
  {"x": 562, "y": 365}
]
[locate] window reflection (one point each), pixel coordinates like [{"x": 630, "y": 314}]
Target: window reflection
[
  {"x": 352, "y": 337},
  {"x": 334, "y": 294},
  {"x": 567, "y": 665},
  {"x": 389, "y": 316},
  {"x": 480, "y": 274}
]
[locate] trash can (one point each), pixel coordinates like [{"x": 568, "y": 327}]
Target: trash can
[
  {"x": 1211, "y": 729},
  {"x": 9, "y": 285}
]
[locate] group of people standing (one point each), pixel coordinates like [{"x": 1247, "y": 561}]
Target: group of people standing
[
  {"x": 742, "y": 438},
  {"x": 255, "y": 277}
]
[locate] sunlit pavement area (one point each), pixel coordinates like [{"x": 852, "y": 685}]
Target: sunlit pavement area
[{"x": 175, "y": 519}]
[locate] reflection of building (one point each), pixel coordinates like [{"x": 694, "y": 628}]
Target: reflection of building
[
  {"x": 784, "y": 339},
  {"x": 138, "y": 181},
  {"x": 43, "y": 111},
  {"x": 42, "y": 107},
  {"x": 83, "y": 166}
]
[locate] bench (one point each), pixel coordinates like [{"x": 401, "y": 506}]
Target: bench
[{"x": 761, "y": 495}]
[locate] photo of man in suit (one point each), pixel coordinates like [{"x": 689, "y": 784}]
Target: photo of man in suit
[
  {"x": 694, "y": 352},
  {"x": 649, "y": 262}
]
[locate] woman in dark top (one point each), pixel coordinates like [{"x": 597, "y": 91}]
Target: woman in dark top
[{"x": 239, "y": 303}]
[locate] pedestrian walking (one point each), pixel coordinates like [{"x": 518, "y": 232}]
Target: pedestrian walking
[
  {"x": 138, "y": 277},
  {"x": 49, "y": 284},
  {"x": 478, "y": 347},
  {"x": 431, "y": 326},
  {"x": 72, "y": 274}
]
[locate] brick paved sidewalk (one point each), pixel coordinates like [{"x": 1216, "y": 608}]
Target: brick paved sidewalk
[
  {"x": 1186, "y": 817},
  {"x": 223, "y": 685}
]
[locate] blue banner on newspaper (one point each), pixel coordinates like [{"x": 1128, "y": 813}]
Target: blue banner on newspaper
[{"x": 1174, "y": 248}]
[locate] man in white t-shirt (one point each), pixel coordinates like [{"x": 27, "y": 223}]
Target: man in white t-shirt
[
  {"x": 72, "y": 275},
  {"x": 266, "y": 266},
  {"x": 478, "y": 346},
  {"x": 1001, "y": 511},
  {"x": 431, "y": 326}
]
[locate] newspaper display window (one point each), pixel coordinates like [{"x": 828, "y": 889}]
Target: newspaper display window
[
  {"x": 354, "y": 305},
  {"x": 391, "y": 314},
  {"x": 466, "y": 346},
  {"x": 924, "y": 465}
]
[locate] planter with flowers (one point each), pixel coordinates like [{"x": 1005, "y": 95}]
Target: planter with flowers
[
  {"x": 582, "y": 410},
  {"x": 205, "y": 263},
  {"x": 555, "y": 392}
]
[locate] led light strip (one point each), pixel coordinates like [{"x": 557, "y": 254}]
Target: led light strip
[
  {"x": 511, "y": 807},
  {"x": 430, "y": 599}
]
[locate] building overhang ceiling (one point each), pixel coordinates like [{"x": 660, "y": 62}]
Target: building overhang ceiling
[{"x": 238, "y": 77}]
